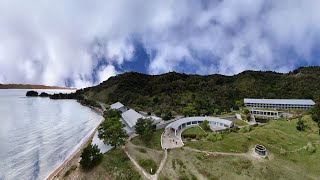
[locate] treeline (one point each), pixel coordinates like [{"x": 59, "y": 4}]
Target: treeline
[
  {"x": 76, "y": 95},
  {"x": 195, "y": 94}
]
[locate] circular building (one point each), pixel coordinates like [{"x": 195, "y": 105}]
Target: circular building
[{"x": 214, "y": 122}]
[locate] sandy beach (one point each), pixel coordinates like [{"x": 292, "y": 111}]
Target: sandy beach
[{"x": 72, "y": 157}]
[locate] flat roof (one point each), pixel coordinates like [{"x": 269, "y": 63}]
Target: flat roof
[
  {"x": 116, "y": 105},
  {"x": 131, "y": 117},
  {"x": 280, "y": 101},
  {"x": 176, "y": 124}
]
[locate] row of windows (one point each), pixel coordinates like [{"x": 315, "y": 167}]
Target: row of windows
[{"x": 292, "y": 105}]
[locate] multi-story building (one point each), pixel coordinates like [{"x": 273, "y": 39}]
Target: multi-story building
[{"x": 303, "y": 104}]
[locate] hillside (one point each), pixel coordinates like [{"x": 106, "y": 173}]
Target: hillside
[
  {"x": 182, "y": 93},
  {"x": 29, "y": 86}
]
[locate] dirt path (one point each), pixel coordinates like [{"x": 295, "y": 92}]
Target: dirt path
[{"x": 140, "y": 169}]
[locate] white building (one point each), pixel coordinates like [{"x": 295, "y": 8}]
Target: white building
[
  {"x": 118, "y": 106},
  {"x": 303, "y": 104},
  {"x": 214, "y": 122},
  {"x": 131, "y": 117}
]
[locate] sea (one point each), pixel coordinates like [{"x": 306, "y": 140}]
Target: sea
[{"x": 38, "y": 134}]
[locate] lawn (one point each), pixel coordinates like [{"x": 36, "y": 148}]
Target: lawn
[
  {"x": 194, "y": 131},
  {"x": 279, "y": 137},
  {"x": 239, "y": 122},
  {"x": 154, "y": 142},
  {"x": 185, "y": 164}
]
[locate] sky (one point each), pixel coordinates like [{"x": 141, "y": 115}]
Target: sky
[{"x": 80, "y": 43}]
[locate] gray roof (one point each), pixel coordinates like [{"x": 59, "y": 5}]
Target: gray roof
[
  {"x": 280, "y": 101},
  {"x": 131, "y": 117},
  {"x": 116, "y": 105},
  {"x": 176, "y": 124}
]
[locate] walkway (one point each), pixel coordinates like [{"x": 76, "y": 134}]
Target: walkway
[{"x": 169, "y": 140}]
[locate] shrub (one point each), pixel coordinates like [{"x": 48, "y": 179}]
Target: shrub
[
  {"x": 300, "y": 125},
  {"x": 311, "y": 148},
  {"x": 205, "y": 125},
  {"x": 246, "y": 129},
  {"x": 214, "y": 137}
]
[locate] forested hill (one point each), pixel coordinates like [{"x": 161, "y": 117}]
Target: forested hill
[{"x": 181, "y": 92}]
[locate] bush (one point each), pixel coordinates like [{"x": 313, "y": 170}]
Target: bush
[
  {"x": 246, "y": 129},
  {"x": 90, "y": 157},
  {"x": 167, "y": 116},
  {"x": 214, "y": 137},
  {"x": 191, "y": 136},
  {"x": 300, "y": 125},
  {"x": 205, "y": 125},
  {"x": 311, "y": 148}
]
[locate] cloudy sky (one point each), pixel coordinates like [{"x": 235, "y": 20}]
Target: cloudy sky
[{"x": 83, "y": 42}]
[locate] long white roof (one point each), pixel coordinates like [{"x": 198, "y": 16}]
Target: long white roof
[
  {"x": 176, "y": 124},
  {"x": 131, "y": 117},
  {"x": 116, "y": 105},
  {"x": 280, "y": 101}
]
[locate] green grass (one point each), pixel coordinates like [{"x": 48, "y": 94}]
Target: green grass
[
  {"x": 118, "y": 166},
  {"x": 239, "y": 122},
  {"x": 279, "y": 137},
  {"x": 193, "y": 131},
  {"x": 148, "y": 165},
  {"x": 154, "y": 143},
  {"x": 231, "y": 143},
  {"x": 190, "y": 165}
]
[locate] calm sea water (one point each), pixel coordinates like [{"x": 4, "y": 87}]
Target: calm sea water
[{"x": 38, "y": 134}]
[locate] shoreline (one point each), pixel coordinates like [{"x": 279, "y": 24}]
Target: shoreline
[{"x": 61, "y": 167}]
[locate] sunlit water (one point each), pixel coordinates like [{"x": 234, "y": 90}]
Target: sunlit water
[{"x": 38, "y": 134}]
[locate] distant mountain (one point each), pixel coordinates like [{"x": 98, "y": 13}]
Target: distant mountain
[
  {"x": 181, "y": 93},
  {"x": 29, "y": 86}
]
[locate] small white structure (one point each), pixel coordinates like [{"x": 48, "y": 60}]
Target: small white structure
[
  {"x": 303, "y": 104},
  {"x": 118, "y": 106},
  {"x": 193, "y": 121}
]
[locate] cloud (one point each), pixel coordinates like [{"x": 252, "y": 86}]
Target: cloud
[{"x": 83, "y": 42}]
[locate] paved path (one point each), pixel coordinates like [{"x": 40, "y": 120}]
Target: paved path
[{"x": 169, "y": 140}]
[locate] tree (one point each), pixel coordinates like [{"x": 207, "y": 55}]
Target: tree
[
  {"x": 158, "y": 113},
  {"x": 205, "y": 125},
  {"x": 90, "y": 157},
  {"x": 112, "y": 132},
  {"x": 316, "y": 112},
  {"x": 112, "y": 113},
  {"x": 145, "y": 128},
  {"x": 301, "y": 125},
  {"x": 167, "y": 116}
]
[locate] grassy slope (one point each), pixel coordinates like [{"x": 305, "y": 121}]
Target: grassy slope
[
  {"x": 184, "y": 163},
  {"x": 154, "y": 142},
  {"x": 275, "y": 135}
]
